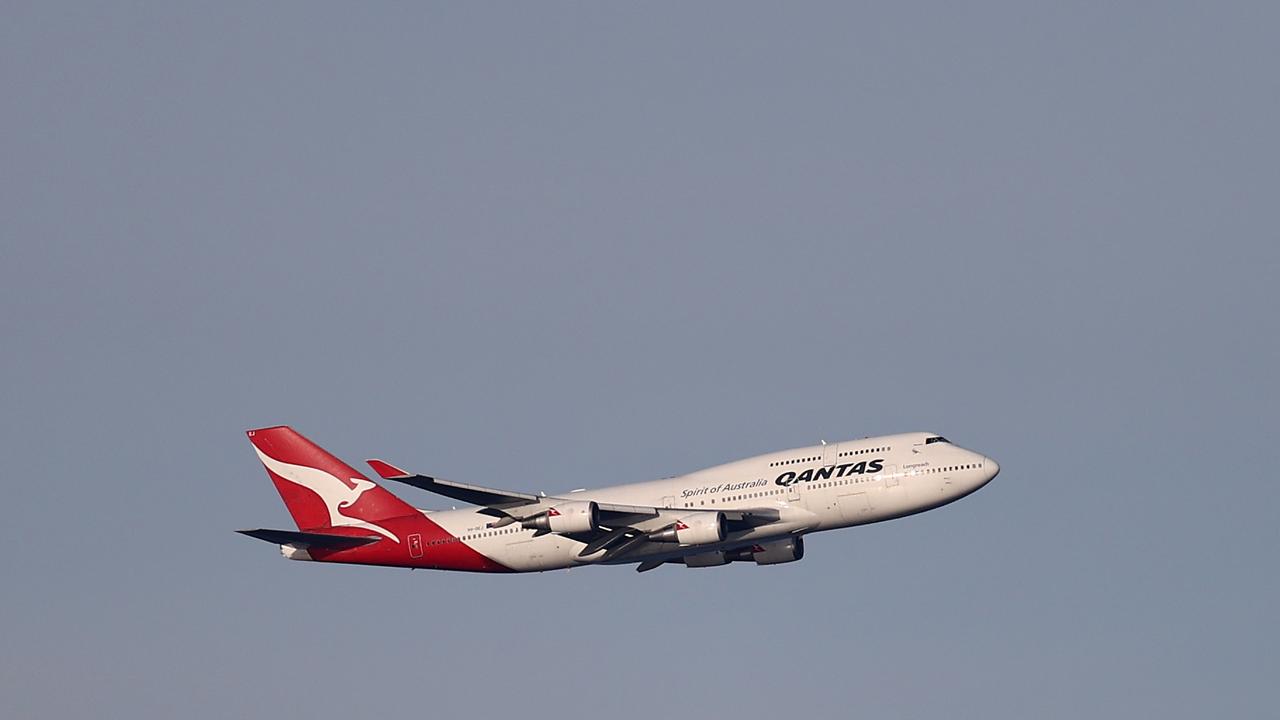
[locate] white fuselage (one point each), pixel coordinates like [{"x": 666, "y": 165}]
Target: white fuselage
[{"x": 820, "y": 487}]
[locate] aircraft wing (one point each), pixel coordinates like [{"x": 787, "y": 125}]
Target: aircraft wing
[
  {"x": 471, "y": 494},
  {"x": 496, "y": 502}
]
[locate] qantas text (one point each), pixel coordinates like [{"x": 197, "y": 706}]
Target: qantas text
[
  {"x": 865, "y": 467},
  {"x": 823, "y": 473}
]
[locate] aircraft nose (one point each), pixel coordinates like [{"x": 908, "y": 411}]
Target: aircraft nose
[{"x": 991, "y": 466}]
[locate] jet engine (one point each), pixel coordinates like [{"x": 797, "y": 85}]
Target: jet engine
[
  {"x": 775, "y": 552},
  {"x": 698, "y": 529},
  {"x": 567, "y": 517}
]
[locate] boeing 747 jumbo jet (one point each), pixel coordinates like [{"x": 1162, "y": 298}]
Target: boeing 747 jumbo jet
[{"x": 755, "y": 510}]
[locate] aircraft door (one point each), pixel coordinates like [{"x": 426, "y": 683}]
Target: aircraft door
[
  {"x": 895, "y": 493},
  {"x": 829, "y": 453}
]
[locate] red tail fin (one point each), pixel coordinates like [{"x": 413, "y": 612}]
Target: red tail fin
[{"x": 320, "y": 490}]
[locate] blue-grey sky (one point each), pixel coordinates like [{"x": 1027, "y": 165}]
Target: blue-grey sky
[{"x": 546, "y": 246}]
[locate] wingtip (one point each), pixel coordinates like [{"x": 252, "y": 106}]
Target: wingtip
[
  {"x": 385, "y": 469},
  {"x": 254, "y": 431}
]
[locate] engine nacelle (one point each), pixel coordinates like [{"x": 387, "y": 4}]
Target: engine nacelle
[
  {"x": 711, "y": 559},
  {"x": 775, "y": 552},
  {"x": 699, "y": 529},
  {"x": 567, "y": 517}
]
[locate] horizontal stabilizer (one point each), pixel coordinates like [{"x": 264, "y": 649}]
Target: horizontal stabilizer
[{"x": 311, "y": 539}]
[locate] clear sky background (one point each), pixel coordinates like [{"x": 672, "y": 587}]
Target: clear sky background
[{"x": 552, "y": 246}]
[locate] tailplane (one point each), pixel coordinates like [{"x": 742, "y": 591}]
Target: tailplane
[
  {"x": 304, "y": 540},
  {"x": 320, "y": 490}
]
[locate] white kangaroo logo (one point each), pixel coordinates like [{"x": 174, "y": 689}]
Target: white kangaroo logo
[{"x": 336, "y": 494}]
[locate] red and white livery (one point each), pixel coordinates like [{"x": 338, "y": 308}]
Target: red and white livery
[{"x": 754, "y": 510}]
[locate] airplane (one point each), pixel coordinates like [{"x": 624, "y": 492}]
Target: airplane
[{"x": 755, "y": 510}]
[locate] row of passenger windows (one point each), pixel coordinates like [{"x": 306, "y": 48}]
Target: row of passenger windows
[
  {"x": 949, "y": 468},
  {"x": 733, "y": 498},
  {"x": 847, "y": 453},
  {"x": 865, "y": 451},
  {"x": 473, "y": 536},
  {"x": 793, "y": 462},
  {"x": 846, "y": 481}
]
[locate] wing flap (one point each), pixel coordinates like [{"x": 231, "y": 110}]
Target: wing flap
[{"x": 613, "y": 514}]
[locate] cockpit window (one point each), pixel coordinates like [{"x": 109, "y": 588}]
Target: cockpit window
[{"x": 936, "y": 438}]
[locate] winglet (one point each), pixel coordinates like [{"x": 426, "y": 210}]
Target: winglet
[{"x": 386, "y": 470}]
